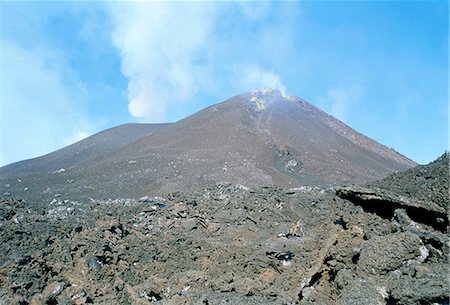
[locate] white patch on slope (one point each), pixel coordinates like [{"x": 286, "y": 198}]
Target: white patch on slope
[
  {"x": 260, "y": 104},
  {"x": 261, "y": 96},
  {"x": 424, "y": 253},
  {"x": 266, "y": 91}
]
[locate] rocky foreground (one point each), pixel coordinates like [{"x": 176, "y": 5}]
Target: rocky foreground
[{"x": 384, "y": 243}]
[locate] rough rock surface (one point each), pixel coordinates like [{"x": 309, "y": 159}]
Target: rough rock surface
[
  {"x": 382, "y": 254},
  {"x": 225, "y": 244},
  {"x": 429, "y": 183}
]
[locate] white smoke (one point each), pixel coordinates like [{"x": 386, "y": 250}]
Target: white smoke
[
  {"x": 257, "y": 77},
  {"x": 158, "y": 45},
  {"x": 172, "y": 51},
  {"x": 339, "y": 101}
]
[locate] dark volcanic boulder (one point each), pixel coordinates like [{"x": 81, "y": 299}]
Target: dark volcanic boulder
[
  {"x": 427, "y": 285},
  {"x": 362, "y": 291},
  {"x": 382, "y": 254},
  {"x": 385, "y": 204}
]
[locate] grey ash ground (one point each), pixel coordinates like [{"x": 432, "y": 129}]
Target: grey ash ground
[{"x": 233, "y": 244}]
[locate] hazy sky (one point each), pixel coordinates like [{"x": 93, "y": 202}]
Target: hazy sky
[{"x": 70, "y": 69}]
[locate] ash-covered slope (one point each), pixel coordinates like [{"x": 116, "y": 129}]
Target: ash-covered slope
[
  {"x": 256, "y": 138},
  {"x": 94, "y": 147}
]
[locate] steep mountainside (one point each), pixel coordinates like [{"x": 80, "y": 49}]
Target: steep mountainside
[
  {"x": 94, "y": 147},
  {"x": 256, "y": 138}
]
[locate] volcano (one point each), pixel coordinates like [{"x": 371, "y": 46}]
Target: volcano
[{"x": 258, "y": 138}]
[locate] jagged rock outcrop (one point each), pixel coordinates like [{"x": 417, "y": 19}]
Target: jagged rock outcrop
[
  {"x": 425, "y": 183},
  {"x": 386, "y": 203}
]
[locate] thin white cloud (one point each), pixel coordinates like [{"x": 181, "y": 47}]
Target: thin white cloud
[
  {"x": 37, "y": 104},
  {"x": 254, "y": 10},
  {"x": 253, "y": 76},
  {"x": 77, "y": 136},
  {"x": 172, "y": 51},
  {"x": 340, "y": 101}
]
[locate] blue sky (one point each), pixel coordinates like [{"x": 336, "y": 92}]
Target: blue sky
[{"x": 70, "y": 69}]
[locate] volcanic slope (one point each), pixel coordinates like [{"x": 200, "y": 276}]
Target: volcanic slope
[
  {"x": 94, "y": 147},
  {"x": 256, "y": 138}
]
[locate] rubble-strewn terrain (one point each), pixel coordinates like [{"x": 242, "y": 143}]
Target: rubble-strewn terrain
[{"x": 230, "y": 244}]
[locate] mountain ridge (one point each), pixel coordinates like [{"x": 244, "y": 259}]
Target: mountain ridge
[
  {"x": 123, "y": 135},
  {"x": 255, "y": 138}
]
